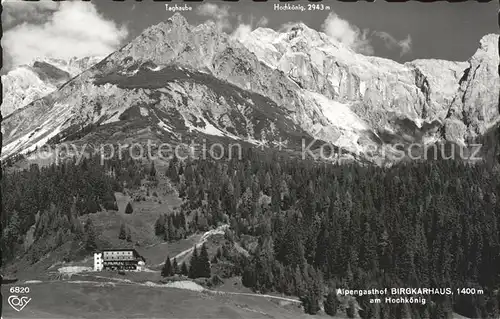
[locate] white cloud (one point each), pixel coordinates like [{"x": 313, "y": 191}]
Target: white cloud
[
  {"x": 222, "y": 18},
  {"x": 391, "y": 42},
  {"x": 219, "y": 13},
  {"x": 285, "y": 27},
  {"x": 346, "y": 33},
  {"x": 242, "y": 31},
  {"x": 405, "y": 45},
  {"x": 359, "y": 40},
  {"x": 262, "y": 22},
  {"x": 75, "y": 29}
]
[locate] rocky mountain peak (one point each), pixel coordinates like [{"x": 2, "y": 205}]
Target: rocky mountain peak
[
  {"x": 489, "y": 42},
  {"x": 175, "y": 23},
  {"x": 424, "y": 90},
  {"x": 178, "y": 20},
  {"x": 475, "y": 109},
  {"x": 172, "y": 41},
  {"x": 301, "y": 32}
]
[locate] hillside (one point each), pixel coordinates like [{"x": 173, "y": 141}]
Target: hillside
[{"x": 116, "y": 300}]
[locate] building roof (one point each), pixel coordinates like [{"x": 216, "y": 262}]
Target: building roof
[{"x": 136, "y": 253}]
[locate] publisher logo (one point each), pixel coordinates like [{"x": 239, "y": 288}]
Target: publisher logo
[{"x": 18, "y": 303}]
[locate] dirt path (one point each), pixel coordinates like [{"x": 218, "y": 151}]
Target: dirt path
[
  {"x": 185, "y": 254},
  {"x": 255, "y": 295}
]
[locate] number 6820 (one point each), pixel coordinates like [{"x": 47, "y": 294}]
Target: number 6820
[{"x": 19, "y": 290}]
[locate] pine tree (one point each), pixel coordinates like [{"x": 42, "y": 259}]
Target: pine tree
[
  {"x": 91, "y": 206},
  {"x": 123, "y": 232},
  {"x": 160, "y": 225},
  {"x": 90, "y": 242},
  {"x": 204, "y": 263},
  {"x": 351, "y": 309},
  {"x": 129, "y": 209},
  {"x": 129, "y": 235},
  {"x": 184, "y": 269},
  {"x": 167, "y": 268},
  {"x": 310, "y": 303},
  {"x": 167, "y": 236},
  {"x": 77, "y": 228},
  {"x": 60, "y": 237},
  {"x": 215, "y": 260},
  {"x": 172, "y": 170},
  {"x": 175, "y": 267},
  {"x": 331, "y": 304},
  {"x": 312, "y": 295},
  {"x": 267, "y": 184},
  {"x": 248, "y": 277},
  {"x": 170, "y": 229},
  {"x": 11, "y": 233},
  {"x": 194, "y": 265}
]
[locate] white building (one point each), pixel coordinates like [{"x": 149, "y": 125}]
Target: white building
[
  {"x": 98, "y": 265},
  {"x": 119, "y": 259},
  {"x": 141, "y": 266}
]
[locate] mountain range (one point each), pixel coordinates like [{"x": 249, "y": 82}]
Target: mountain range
[
  {"x": 42, "y": 76},
  {"x": 176, "y": 82}
]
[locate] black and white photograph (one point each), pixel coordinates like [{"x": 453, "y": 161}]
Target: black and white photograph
[{"x": 252, "y": 159}]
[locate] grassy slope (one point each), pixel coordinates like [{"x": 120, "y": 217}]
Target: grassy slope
[
  {"x": 141, "y": 221},
  {"x": 71, "y": 300},
  {"x": 156, "y": 254}
]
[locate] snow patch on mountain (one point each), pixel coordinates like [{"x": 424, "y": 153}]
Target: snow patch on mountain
[
  {"x": 339, "y": 114},
  {"x": 165, "y": 127},
  {"x": 144, "y": 111},
  {"x": 175, "y": 87},
  {"x": 42, "y": 135},
  {"x": 114, "y": 118},
  {"x": 208, "y": 129},
  {"x": 212, "y": 130}
]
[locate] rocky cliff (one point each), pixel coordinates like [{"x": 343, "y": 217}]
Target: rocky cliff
[{"x": 463, "y": 96}]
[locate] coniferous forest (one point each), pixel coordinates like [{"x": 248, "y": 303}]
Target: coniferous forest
[
  {"x": 321, "y": 226},
  {"x": 317, "y": 227},
  {"x": 53, "y": 197}
]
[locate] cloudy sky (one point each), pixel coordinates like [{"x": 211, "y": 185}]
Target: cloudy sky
[{"x": 399, "y": 31}]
